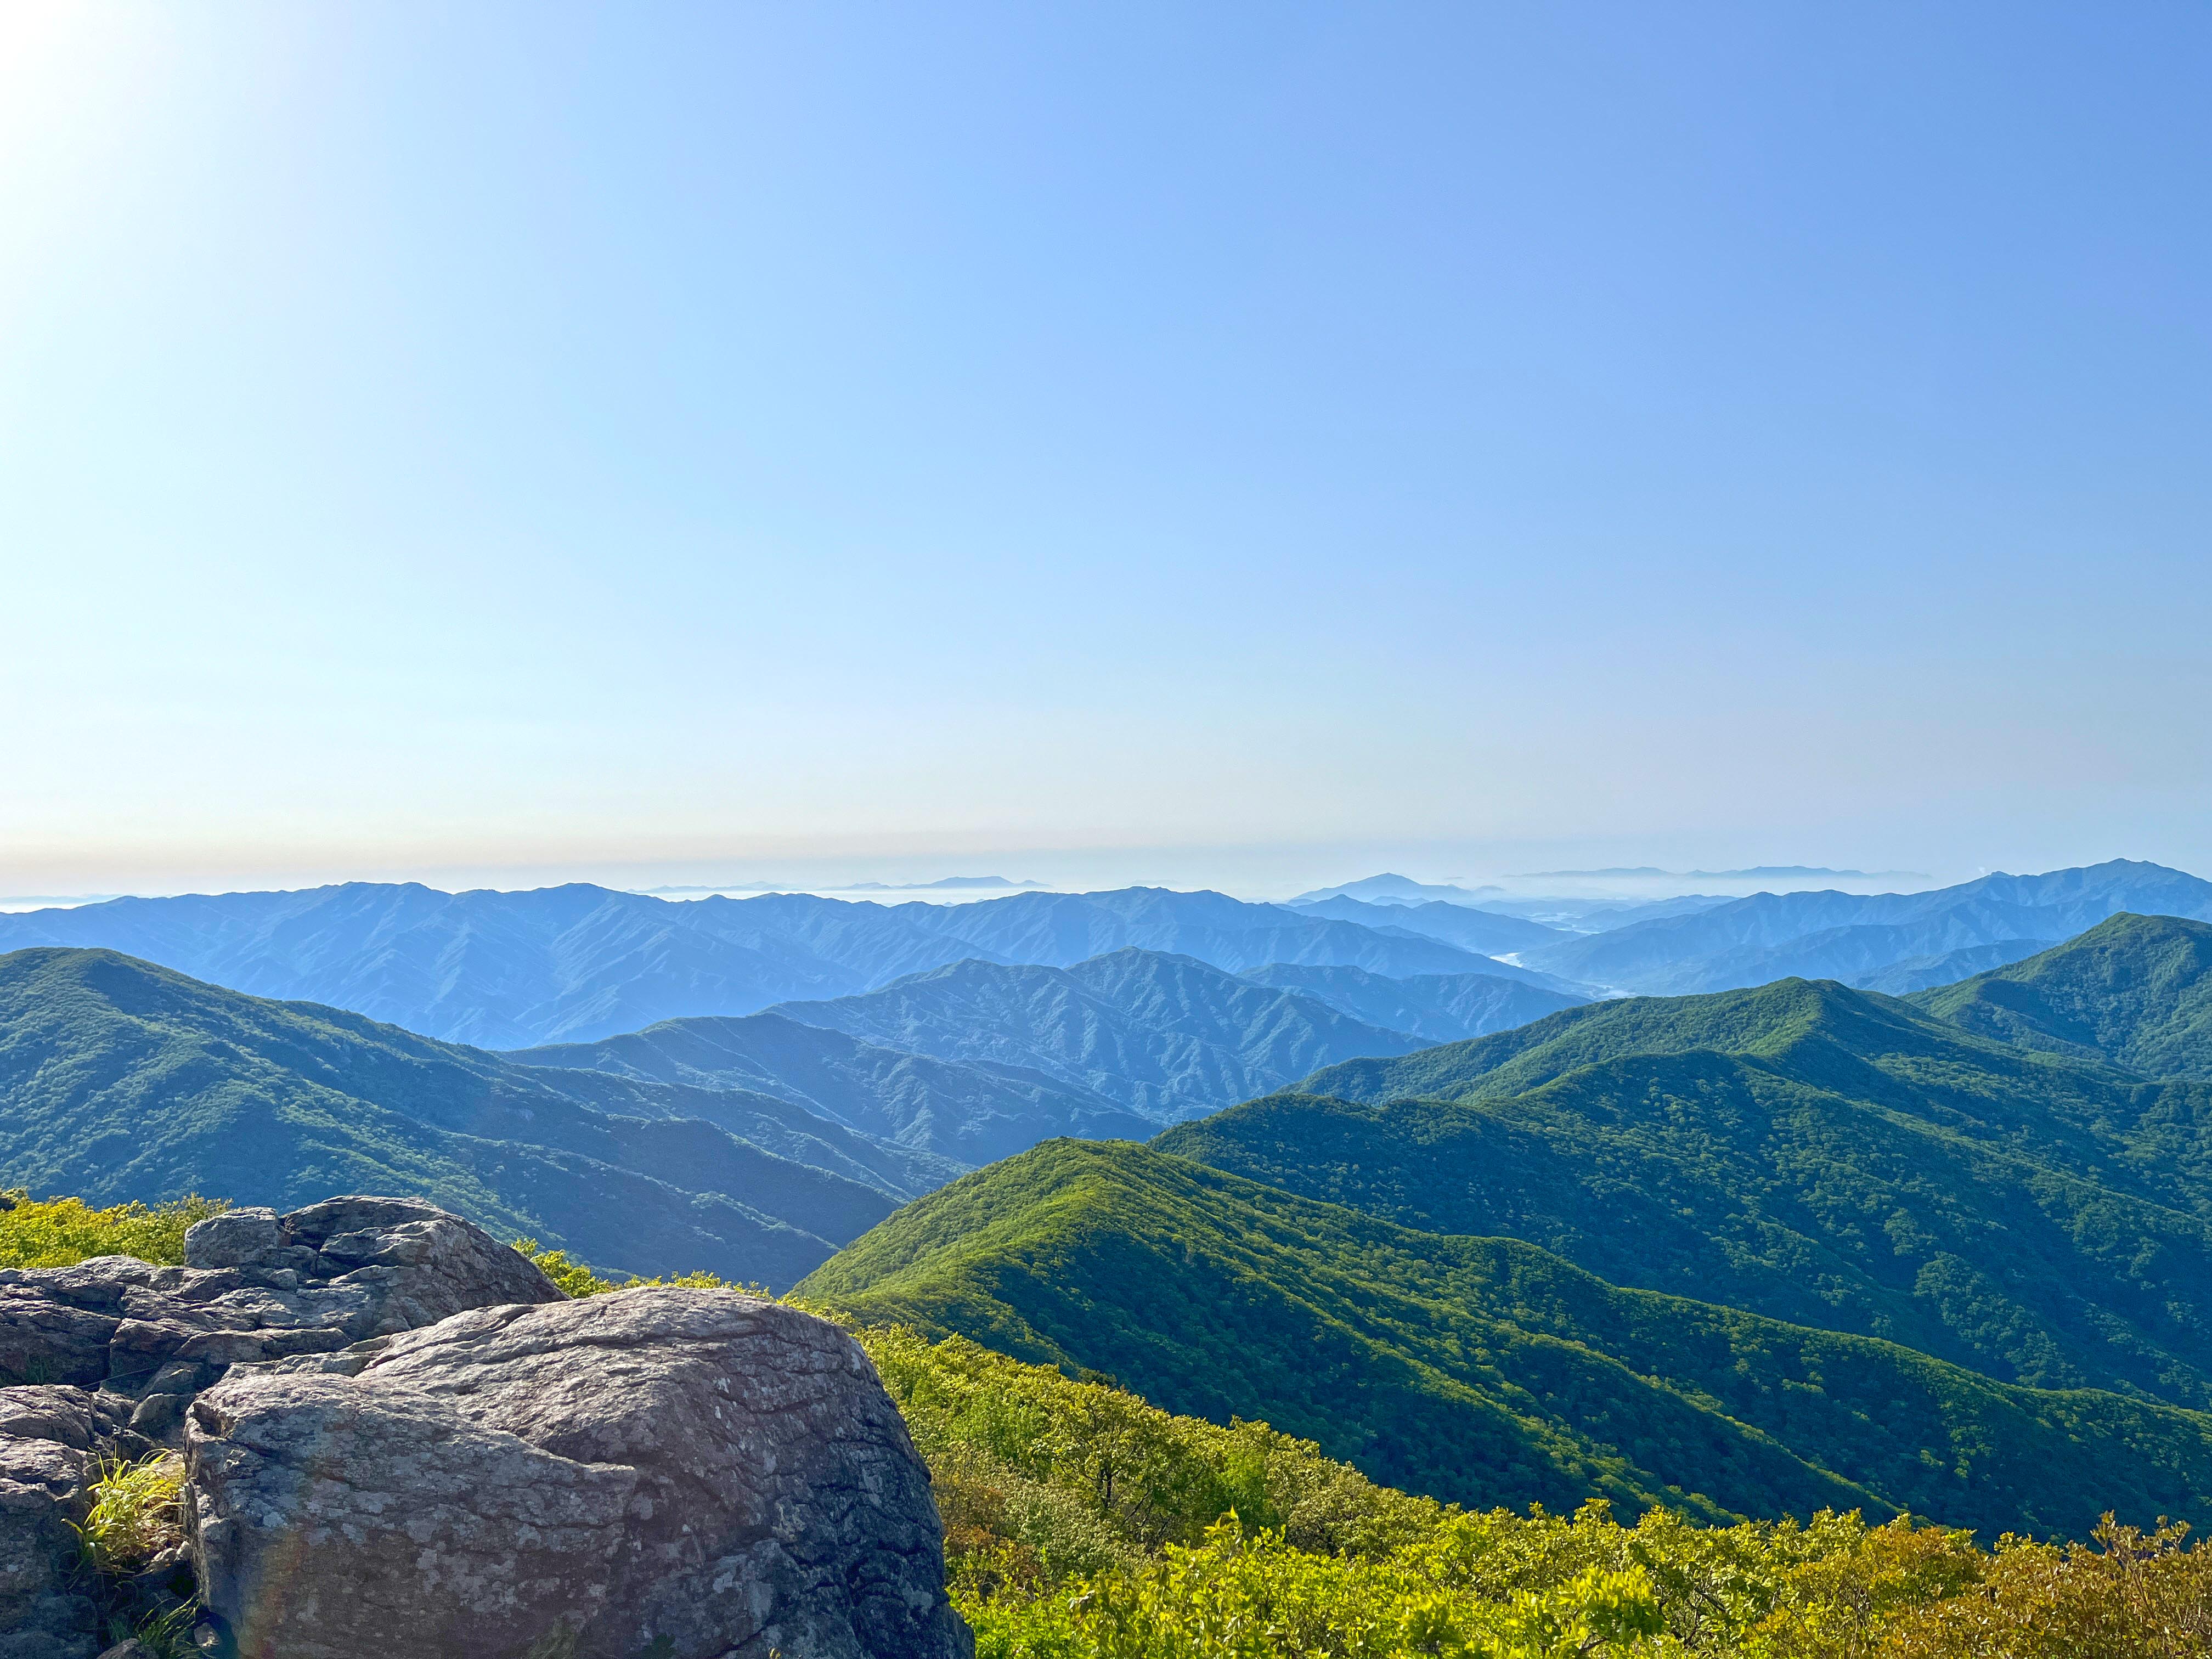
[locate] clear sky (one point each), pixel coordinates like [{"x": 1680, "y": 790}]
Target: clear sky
[{"x": 1238, "y": 445}]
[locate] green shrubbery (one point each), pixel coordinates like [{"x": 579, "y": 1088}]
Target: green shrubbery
[
  {"x": 55, "y": 1232},
  {"x": 1083, "y": 1523}
]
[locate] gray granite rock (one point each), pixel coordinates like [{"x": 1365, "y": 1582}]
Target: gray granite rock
[
  {"x": 678, "y": 1473},
  {"x": 256, "y": 1285},
  {"x": 50, "y": 1440},
  {"x": 103, "y": 1358}
]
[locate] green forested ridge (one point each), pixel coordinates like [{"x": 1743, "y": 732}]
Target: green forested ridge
[
  {"x": 119, "y": 1080},
  {"x": 1083, "y": 1523},
  {"x": 2135, "y": 991},
  {"x": 1487, "y": 1371},
  {"x": 1819, "y": 1154}
]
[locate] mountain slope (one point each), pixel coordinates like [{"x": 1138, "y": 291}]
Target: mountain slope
[
  {"x": 1061, "y": 929},
  {"x": 1439, "y": 1008},
  {"x": 1806, "y": 1150},
  {"x": 975, "y": 1113},
  {"x": 1486, "y": 1371},
  {"x": 2135, "y": 990},
  {"x": 575, "y": 963},
  {"x": 121, "y": 1079},
  {"x": 1163, "y": 1036},
  {"x": 490, "y": 968},
  {"x": 1772, "y": 936},
  {"x": 1483, "y": 931}
]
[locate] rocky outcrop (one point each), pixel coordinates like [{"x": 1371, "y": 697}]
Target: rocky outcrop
[
  {"x": 674, "y": 1473},
  {"x": 50, "y": 1439},
  {"x": 103, "y": 1356},
  {"x": 255, "y": 1286}
]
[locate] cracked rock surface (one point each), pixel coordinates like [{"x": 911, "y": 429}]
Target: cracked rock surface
[
  {"x": 99, "y": 1360},
  {"x": 674, "y": 1473}
]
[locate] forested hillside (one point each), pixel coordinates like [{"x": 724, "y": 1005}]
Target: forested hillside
[
  {"x": 119, "y": 1080},
  {"x": 1812, "y": 1152},
  {"x": 1082, "y": 1523},
  {"x": 2135, "y": 991},
  {"x": 1487, "y": 1371}
]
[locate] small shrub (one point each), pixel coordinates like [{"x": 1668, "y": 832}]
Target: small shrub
[
  {"x": 579, "y": 1281},
  {"x": 59, "y": 1233}
]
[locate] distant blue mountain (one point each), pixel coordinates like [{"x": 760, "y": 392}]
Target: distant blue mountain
[
  {"x": 1165, "y": 1035},
  {"x": 579, "y": 962},
  {"x": 1483, "y": 931},
  {"x": 974, "y": 1112},
  {"x": 1387, "y": 889},
  {"x": 1865, "y": 939},
  {"x": 1434, "y": 1007}
]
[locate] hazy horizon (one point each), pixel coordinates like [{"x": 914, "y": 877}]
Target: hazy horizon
[
  {"x": 893, "y": 885},
  {"x": 1249, "y": 447}
]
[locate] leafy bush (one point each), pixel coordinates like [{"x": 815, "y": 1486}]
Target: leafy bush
[
  {"x": 1083, "y": 1523},
  {"x": 58, "y": 1232}
]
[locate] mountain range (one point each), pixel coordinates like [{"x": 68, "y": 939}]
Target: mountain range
[
  {"x": 1753, "y": 1252},
  {"x": 1486, "y": 1371},
  {"x": 2135, "y": 991},
  {"x": 119, "y": 1080},
  {"x": 1861, "y": 939},
  {"x": 1167, "y": 1036},
  {"x": 974, "y": 1112},
  {"x": 1823, "y": 1155},
  {"x": 574, "y": 964}
]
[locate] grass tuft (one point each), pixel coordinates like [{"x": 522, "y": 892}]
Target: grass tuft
[{"x": 136, "y": 1514}]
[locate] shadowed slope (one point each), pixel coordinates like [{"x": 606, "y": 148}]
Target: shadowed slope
[
  {"x": 1810, "y": 1152},
  {"x": 1486, "y": 1371},
  {"x": 119, "y": 1080},
  {"x": 2135, "y": 990}
]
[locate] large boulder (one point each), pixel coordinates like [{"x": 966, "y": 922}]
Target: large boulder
[
  {"x": 674, "y": 1473},
  {"x": 98, "y": 1360},
  {"x": 255, "y": 1286}
]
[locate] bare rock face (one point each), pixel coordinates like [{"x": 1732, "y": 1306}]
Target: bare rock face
[
  {"x": 103, "y": 1356},
  {"x": 673, "y": 1473},
  {"x": 50, "y": 1439},
  {"x": 256, "y": 1285}
]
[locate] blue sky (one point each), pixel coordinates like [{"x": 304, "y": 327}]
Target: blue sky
[{"x": 1246, "y": 446}]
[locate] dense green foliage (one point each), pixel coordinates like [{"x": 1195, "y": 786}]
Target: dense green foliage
[
  {"x": 1082, "y": 1523},
  {"x": 1486, "y": 1370},
  {"x": 56, "y": 1232},
  {"x": 1821, "y": 1155},
  {"x": 119, "y": 1080},
  {"x": 2135, "y": 991}
]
